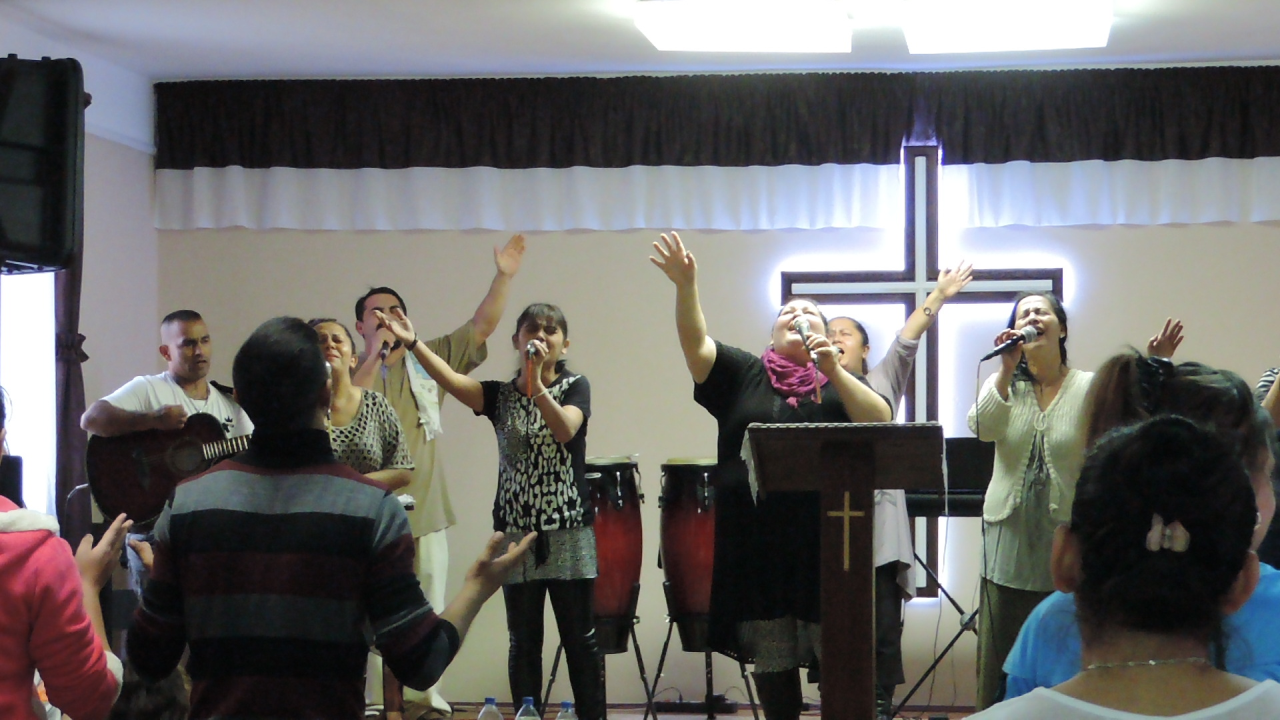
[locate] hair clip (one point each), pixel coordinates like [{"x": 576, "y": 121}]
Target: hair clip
[
  {"x": 1152, "y": 372},
  {"x": 1167, "y": 537}
]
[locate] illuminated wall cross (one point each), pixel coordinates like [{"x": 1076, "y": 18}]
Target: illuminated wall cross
[{"x": 910, "y": 286}]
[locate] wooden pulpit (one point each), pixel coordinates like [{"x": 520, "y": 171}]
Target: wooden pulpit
[{"x": 847, "y": 462}]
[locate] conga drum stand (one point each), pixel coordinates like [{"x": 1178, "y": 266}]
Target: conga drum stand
[{"x": 712, "y": 703}]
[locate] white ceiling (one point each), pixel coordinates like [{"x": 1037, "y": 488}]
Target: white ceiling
[{"x": 184, "y": 39}]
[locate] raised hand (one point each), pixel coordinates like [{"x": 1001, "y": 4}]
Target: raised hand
[
  {"x": 96, "y": 562},
  {"x": 397, "y": 323},
  {"x": 508, "y": 258},
  {"x": 1165, "y": 343},
  {"x": 491, "y": 569},
  {"x": 951, "y": 282},
  {"x": 674, "y": 261}
]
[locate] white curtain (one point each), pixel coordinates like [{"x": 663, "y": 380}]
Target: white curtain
[
  {"x": 1096, "y": 192},
  {"x": 713, "y": 198}
]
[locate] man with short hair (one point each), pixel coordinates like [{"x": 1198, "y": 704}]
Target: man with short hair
[
  {"x": 164, "y": 401},
  {"x": 272, "y": 566},
  {"x": 388, "y": 368}
]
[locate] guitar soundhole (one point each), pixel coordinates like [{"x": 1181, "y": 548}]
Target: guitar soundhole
[{"x": 186, "y": 459}]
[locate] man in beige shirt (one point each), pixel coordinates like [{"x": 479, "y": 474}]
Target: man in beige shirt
[{"x": 387, "y": 367}]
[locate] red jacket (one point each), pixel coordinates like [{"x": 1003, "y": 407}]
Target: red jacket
[{"x": 43, "y": 624}]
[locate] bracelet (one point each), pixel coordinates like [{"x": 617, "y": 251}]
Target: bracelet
[
  {"x": 544, "y": 392},
  {"x": 412, "y": 345}
]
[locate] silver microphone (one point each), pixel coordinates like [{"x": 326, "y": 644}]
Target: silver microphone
[
  {"x": 802, "y": 327},
  {"x": 1026, "y": 335},
  {"x": 531, "y": 349}
]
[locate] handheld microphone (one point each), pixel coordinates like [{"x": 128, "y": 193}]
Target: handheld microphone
[
  {"x": 802, "y": 326},
  {"x": 531, "y": 350},
  {"x": 1027, "y": 334},
  {"x": 386, "y": 348}
]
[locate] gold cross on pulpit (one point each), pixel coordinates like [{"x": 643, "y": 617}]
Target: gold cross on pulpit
[{"x": 845, "y": 515}]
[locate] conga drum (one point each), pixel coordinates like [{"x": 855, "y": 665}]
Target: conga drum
[
  {"x": 616, "y": 499},
  {"x": 688, "y": 542}
]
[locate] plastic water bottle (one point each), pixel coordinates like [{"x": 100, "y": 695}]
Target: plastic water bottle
[
  {"x": 527, "y": 711},
  {"x": 566, "y": 711},
  {"x": 490, "y": 710}
]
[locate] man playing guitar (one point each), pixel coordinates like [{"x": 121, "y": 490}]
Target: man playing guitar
[{"x": 164, "y": 401}]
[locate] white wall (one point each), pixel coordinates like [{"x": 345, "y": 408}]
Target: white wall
[
  {"x": 119, "y": 303},
  {"x": 1121, "y": 281}
]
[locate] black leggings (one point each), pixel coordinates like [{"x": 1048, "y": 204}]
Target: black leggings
[{"x": 571, "y": 601}]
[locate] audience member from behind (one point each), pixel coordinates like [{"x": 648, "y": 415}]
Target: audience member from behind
[
  {"x": 270, "y": 566},
  {"x": 1157, "y": 553},
  {"x": 1128, "y": 389},
  {"x": 51, "y": 618}
]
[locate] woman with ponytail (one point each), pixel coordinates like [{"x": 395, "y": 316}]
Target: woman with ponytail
[
  {"x": 1157, "y": 553},
  {"x": 1130, "y": 388},
  {"x": 764, "y": 591}
]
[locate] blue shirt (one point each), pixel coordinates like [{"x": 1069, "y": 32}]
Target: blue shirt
[{"x": 1047, "y": 651}]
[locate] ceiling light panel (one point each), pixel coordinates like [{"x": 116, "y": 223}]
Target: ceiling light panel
[
  {"x": 771, "y": 26},
  {"x": 976, "y": 26}
]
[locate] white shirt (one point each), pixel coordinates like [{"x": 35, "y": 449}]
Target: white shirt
[
  {"x": 1257, "y": 703},
  {"x": 148, "y": 393}
]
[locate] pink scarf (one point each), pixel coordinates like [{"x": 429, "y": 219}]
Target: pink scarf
[{"x": 792, "y": 380}]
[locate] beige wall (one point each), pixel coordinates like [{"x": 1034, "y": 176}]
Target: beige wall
[
  {"x": 1125, "y": 280},
  {"x": 120, "y": 292}
]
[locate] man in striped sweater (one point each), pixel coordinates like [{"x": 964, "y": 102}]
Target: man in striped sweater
[{"x": 274, "y": 565}]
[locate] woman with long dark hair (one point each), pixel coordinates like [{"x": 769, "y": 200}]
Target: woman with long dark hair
[{"x": 540, "y": 418}]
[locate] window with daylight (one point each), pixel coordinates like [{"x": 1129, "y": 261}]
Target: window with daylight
[{"x": 27, "y": 373}]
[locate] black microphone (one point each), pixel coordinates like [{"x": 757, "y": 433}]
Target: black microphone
[
  {"x": 386, "y": 348},
  {"x": 1027, "y": 334}
]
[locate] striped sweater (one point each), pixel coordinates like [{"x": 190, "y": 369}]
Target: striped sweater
[{"x": 273, "y": 567}]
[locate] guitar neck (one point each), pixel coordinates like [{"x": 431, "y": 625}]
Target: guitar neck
[{"x": 225, "y": 448}]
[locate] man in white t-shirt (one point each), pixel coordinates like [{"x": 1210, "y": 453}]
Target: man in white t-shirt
[{"x": 165, "y": 401}]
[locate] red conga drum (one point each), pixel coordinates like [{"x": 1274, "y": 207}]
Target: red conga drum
[
  {"x": 688, "y": 543},
  {"x": 619, "y": 548}
]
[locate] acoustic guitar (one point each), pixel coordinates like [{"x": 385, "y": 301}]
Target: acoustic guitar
[{"x": 136, "y": 473}]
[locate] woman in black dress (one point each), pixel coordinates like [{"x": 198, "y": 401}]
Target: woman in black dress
[{"x": 764, "y": 594}]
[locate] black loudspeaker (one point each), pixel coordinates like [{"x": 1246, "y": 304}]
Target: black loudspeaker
[
  {"x": 42, "y": 106},
  {"x": 11, "y": 479}
]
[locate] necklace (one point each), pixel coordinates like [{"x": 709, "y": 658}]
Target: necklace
[{"x": 1149, "y": 663}]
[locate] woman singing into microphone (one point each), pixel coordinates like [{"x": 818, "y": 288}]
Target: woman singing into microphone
[
  {"x": 540, "y": 418},
  {"x": 764, "y": 592}
]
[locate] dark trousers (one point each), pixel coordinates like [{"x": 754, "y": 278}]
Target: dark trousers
[
  {"x": 571, "y": 601},
  {"x": 1002, "y": 611},
  {"x": 888, "y": 626}
]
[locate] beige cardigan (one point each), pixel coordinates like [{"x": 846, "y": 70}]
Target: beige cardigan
[{"x": 1011, "y": 425}]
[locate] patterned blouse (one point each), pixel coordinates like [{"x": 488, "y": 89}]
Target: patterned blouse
[
  {"x": 373, "y": 440},
  {"x": 541, "y": 482}
]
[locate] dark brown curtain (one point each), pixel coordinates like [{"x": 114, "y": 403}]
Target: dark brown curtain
[
  {"x": 1126, "y": 114},
  {"x": 721, "y": 120},
  {"x": 70, "y": 391}
]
